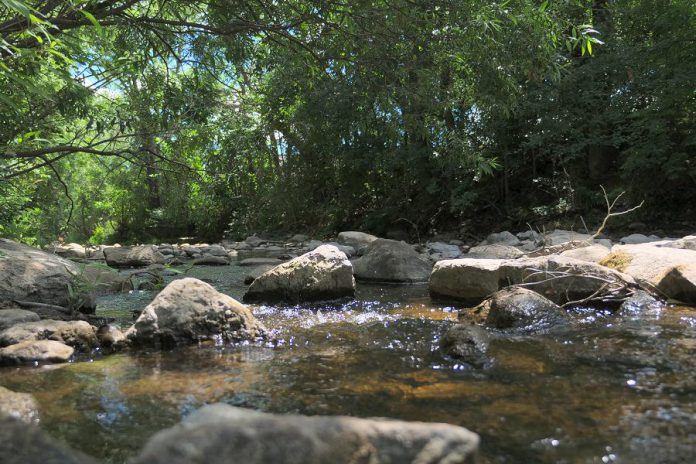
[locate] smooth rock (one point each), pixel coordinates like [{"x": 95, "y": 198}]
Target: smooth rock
[
  {"x": 20, "y": 406},
  {"x": 24, "y": 443},
  {"x": 444, "y": 250},
  {"x": 29, "y": 274},
  {"x": 222, "y": 434},
  {"x": 78, "y": 334},
  {"x": 496, "y": 251},
  {"x": 322, "y": 274},
  {"x": 503, "y": 238},
  {"x": 137, "y": 256},
  {"x": 467, "y": 342},
  {"x": 636, "y": 239},
  {"x": 189, "y": 310},
  {"x": 558, "y": 278},
  {"x": 562, "y": 236},
  {"x": 110, "y": 336},
  {"x": 210, "y": 261},
  {"x": 357, "y": 240},
  {"x": 13, "y": 316},
  {"x": 387, "y": 260},
  {"x": 672, "y": 271},
  {"x": 41, "y": 351},
  {"x": 70, "y": 250},
  {"x": 592, "y": 253}
]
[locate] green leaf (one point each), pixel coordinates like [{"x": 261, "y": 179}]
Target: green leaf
[{"x": 92, "y": 19}]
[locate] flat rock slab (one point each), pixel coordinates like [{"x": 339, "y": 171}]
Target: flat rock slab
[
  {"x": 137, "y": 256},
  {"x": 41, "y": 351},
  {"x": 21, "y": 406},
  {"x": 558, "y": 278},
  {"x": 222, "y": 434}
]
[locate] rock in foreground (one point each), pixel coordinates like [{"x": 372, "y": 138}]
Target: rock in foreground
[
  {"x": 387, "y": 260},
  {"x": 78, "y": 334},
  {"x": 31, "y": 275},
  {"x": 522, "y": 309},
  {"x": 21, "y": 406},
  {"x": 220, "y": 434},
  {"x": 322, "y": 274},
  {"x": 189, "y": 310},
  {"x": 28, "y": 444}
]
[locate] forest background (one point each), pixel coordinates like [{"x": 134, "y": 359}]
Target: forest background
[{"x": 141, "y": 120}]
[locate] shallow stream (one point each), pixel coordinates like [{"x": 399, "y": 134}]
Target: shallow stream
[{"x": 609, "y": 389}]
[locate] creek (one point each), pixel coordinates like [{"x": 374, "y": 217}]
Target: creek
[{"x": 607, "y": 389}]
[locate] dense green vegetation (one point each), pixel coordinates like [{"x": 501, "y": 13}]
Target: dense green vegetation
[{"x": 128, "y": 120}]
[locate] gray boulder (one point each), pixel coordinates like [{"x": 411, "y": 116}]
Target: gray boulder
[
  {"x": 671, "y": 270},
  {"x": 468, "y": 342},
  {"x": 322, "y": 274},
  {"x": 189, "y": 310},
  {"x": 31, "y": 275},
  {"x": 357, "y": 240},
  {"x": 20, "y": 406},
  {"x": 558, "y": 278},
  {"x": 559, "y": 236},
  {"x": 136, "y": 256},
  {"x": 497, "y": 251},
  {"x": 299, "y": 238},
  {"x": 444, "y": 250},
  {"x": 78, "y": 334},
  {"x": 24, "y": 443},
  {"x": 256, "y": 272},
  {"x": 13, "y": 316},
  {"x": 31, "y": 351},
  {"x": 387, "y": 260},
  {"x": 522, "y": 309},
  {"x": 503, "y": 238},
  {"x": 220, "y": 434},
  {"x": 636, "y": 239},
  {"x": 349, "y": 251}
]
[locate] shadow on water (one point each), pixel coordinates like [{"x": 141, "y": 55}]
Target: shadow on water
[{"x": 608, "y": 389}]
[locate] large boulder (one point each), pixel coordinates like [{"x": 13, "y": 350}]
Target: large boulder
[
  {"x": 518, "y": 308},
  {"x": 322, "y": 274},
  {"x": 13, "y": 316},
  {"x": 220, "y": 434},
  {"x": 78, "y": 334},
  {"x": 31, "y": 275},
  {"x": 21, "y": 406},
  {"x": 35, "y": 351},
  {"x": 136, "y": 256},
  {"x": 24, "y": 443},
  {"x": 672, "y": 271},
  {"x": 189, "y": 310},
  {"x": 357, "y": 240},
  {"x": 387, "y": 260},
  {"x": 558, "y": 278}
]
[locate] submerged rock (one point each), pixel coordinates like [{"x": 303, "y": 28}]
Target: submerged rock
[
  {"x": 468, "y": 342},
  {"x": 31, "y": 275},
  {"x": 137, "y": 256},
  {"x": 78, "y": 334},
  {"x": 387, "y": 260},
  {"x": 23, "y": 443},
  {"x": 13, "y": 316},
  {"x": 521, "y": 308},
  {"x": 20, "y": 406},
  {"x": 220, "y": 434},
  {"x": 322, "y": 274},
  {"x": 41, "y": 351},
  {"x": 558, "y": 278},
  {"x": 189, "y": 310}
]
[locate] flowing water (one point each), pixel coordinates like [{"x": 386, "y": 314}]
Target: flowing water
[{"x": 609, "y": 389}]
